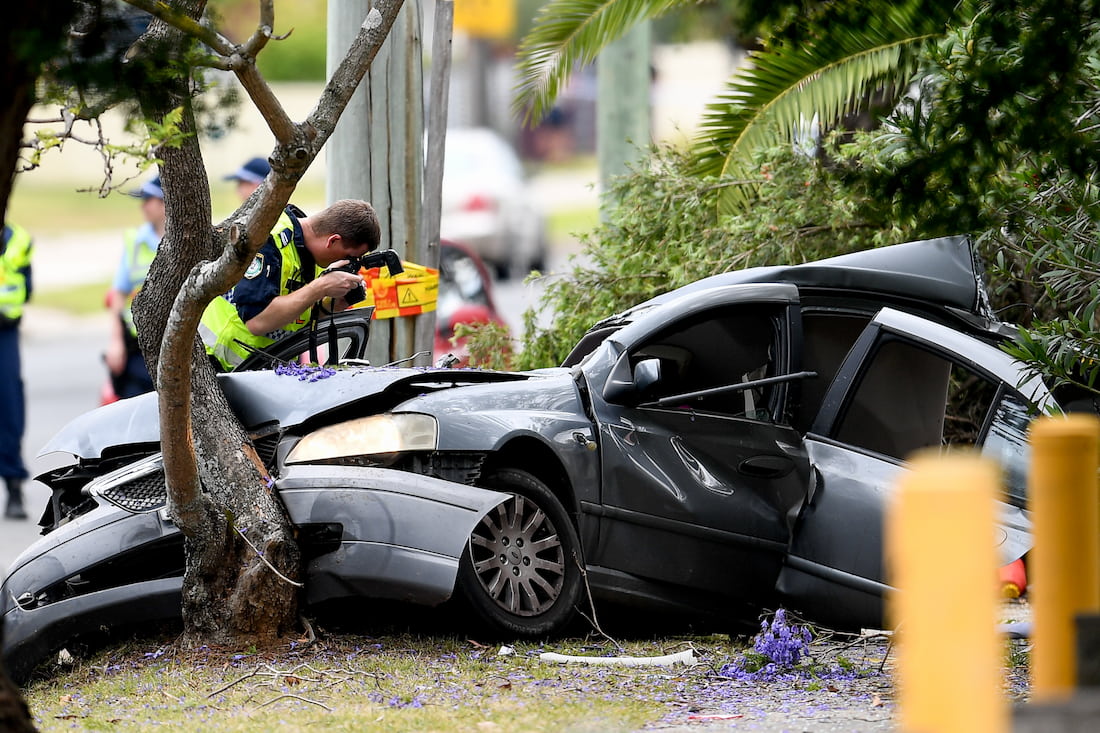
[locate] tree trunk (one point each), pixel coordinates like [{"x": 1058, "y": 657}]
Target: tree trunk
[
  {"x": 31, "y": 34},
  {"x": 218, "y": 486},
  {"x": 15, "y": 716},
  {"x": 240, "y": 583}
]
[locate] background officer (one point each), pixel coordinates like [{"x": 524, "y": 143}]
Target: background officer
[
  {"x": 129, "y": 375},
  {"x": 15, "y": 291},
  {"x": 249, "y": 176}
]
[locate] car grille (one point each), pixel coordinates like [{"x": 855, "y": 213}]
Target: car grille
[
  {"x": 461, "y": 468},
  {"x": 143, "y": 494},
  {"x": 147, "y": 491}
]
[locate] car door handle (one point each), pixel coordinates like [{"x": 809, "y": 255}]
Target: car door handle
[{"x": 766, "y": 466}]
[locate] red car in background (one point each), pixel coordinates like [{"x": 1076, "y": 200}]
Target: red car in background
[{"x": 465, "y": 296}]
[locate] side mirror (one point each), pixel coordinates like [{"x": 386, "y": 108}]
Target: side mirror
[
  {"x": 629, "y": 387},
  {"x": 647, "y": 373}
]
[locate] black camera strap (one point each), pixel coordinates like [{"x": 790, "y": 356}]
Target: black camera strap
[
  {"x": 332, "y": 335},
  {"x": 313, "y": 336}
]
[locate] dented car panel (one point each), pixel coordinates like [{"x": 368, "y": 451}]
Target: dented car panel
[
  {"x": 904, "y": 365},
  {"x": 125, "y": 422},
  {"x": 715, "y": 488},
  {"x": 721, "y": 449},
  {"x": 400, "y": 536},
  {"x": 135, "y": 422},
  {"x": 942, "y": 272}
]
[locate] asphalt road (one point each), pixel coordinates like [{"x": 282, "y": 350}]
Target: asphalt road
[{"x": 62, "y": 375}]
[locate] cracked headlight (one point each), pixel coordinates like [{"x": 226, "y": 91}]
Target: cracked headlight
[{"x": 389, "y": 433}]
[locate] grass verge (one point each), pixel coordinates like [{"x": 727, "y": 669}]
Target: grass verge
[
  {"x": 83, "y": 299},
  {"x": 50, "y": 208},
  {"x": 405, "y": 680},
  {"x": 395, "y": 683},
  {"x": 566, "y": 225}
]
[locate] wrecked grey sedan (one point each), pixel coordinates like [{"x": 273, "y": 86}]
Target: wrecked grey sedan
[{"x": 721, "y": 449}]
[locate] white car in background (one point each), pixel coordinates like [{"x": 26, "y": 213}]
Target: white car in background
[{"x": 488, "y": 204}]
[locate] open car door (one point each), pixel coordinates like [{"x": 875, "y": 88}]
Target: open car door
[
  {"x": 702, "y": 474},
  {"x": 907, "y": 385},
  {"x": 338, "y": 339}
]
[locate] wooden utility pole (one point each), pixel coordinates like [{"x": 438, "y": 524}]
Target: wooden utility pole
[
  {"x": 438, "y": 99},
  {"x": 377, "y": 153}
]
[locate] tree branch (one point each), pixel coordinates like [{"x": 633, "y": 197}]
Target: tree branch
[
  {"x": 188, "y": 25},
  {"x": 302, "y": 142},
  {"x": 278, "y": 121},
  {"x": 259, "y": 39}
]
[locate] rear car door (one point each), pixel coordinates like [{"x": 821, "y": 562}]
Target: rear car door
[
  {"x": 907, "y": 384},
  {"x": 703, "y": 476}
]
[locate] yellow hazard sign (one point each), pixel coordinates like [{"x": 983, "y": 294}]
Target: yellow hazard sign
[
  {"x": 494, "y": 19},
  {"x": 411, "y": 293}
]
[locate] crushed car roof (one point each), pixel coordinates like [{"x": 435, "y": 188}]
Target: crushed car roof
[{"x": 943, "y": 271}]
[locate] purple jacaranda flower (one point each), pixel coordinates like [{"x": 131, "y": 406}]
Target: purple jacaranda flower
[
  {"x": 781, "y": 653},
  {"x": 305, "y": 372}
]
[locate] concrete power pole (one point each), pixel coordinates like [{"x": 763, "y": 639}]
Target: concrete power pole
[
  {"x": 623, "y": 79},
  {"x": 376, "y": 152}
]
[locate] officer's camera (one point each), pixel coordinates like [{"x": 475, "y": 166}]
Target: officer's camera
[{"x": 387, "y": 257}]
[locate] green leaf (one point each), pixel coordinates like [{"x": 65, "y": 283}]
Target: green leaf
[
  {"x": 783, "y": 90},
  {"x": 569, "y": 34}
]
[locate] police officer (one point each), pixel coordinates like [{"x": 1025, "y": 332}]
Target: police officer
[
  {"x": 129, "y": 375},
  {"x": 283, "y": 281},
  {"x": 249, "y": 176},
  {"x": 15, "y": 290}
]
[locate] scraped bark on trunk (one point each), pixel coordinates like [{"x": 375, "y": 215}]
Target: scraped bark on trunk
[{"x": 240, "y": 583}]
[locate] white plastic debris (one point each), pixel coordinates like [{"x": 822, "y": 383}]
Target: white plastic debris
[
  {"x": 685, "y": 657},
  {"x": 506, "y": 651}
]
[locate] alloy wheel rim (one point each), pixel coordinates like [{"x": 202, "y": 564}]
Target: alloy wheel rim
[{"x": 518, "y": 557}]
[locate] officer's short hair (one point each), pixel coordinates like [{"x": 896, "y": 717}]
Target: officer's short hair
[{"x": 352, "y": 219}]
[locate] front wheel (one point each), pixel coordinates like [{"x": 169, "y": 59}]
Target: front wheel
[{"x": 521, "y": 571}]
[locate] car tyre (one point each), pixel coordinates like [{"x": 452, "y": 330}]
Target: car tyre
[{"x": 521, "y": 571}]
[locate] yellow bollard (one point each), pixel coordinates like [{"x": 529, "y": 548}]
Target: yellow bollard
[
  {"x": 942, "y": 562},
  {"x": 1064, "y": 565}
]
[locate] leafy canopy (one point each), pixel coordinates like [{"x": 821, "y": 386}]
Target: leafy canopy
[
  {"x": 663, "y": 230},
  {"x": 1003, "y": 142}
]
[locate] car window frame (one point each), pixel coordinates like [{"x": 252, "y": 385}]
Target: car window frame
[
  {"x": 783, "y": 297},
  {"x": 957, "y": 347},
  {"x": 353, "y": 323}
]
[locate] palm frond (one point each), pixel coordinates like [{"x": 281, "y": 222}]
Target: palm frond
[
  {"x": 771, "y": 100},
  {"x": 568, "y": 34}
]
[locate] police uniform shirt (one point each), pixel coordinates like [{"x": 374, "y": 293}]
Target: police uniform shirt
[
  {"x": 130, "y": 275},
  {"x": 262, "y": 281},
  {"x": 26, "y": 271}
]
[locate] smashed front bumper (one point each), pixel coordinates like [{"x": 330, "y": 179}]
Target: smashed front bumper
[
  {"x": 386, "y": 534},
  {"x": 402, "y": 533}
]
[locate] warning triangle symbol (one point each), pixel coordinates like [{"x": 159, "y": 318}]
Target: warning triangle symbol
[{"x": 408, "y": 297}]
